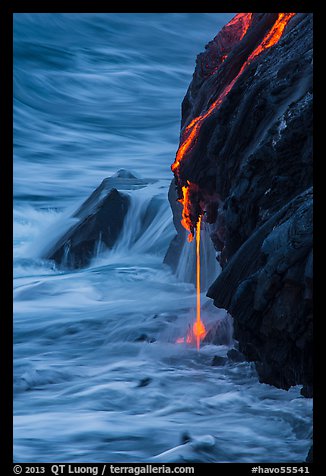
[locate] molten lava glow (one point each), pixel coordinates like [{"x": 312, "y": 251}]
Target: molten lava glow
[
  {"x": 198, "y": 329},
  {"x": 187, "y": 142},
  {"x": 273, "y": 35},
  {"x": 245, "y": 22},
  {"x": 191, "y": 132},
  {"x": 245, "y": 19},
  {"x": 186, "y": 211}
]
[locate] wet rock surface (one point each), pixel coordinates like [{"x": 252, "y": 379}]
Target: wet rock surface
[
  {"x": 173, "y": 253},
  {"x": 97, "y": 223},
  {"x": 263, "y": 286},
  {"x": 235, "y": 356},
  {"x": 218, "y": 361}
]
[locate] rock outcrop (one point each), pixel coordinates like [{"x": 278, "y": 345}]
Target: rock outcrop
[
  {"x": 248, "y": 168},
  {"x": 265, "y": 287},
  {"x": 97, "y": 223},
  {"x": 173, "y": 253}
]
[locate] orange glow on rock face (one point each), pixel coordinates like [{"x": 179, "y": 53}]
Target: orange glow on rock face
[
  {"x": 273, "y": 35},
  {"x": 186, "y": 220},
  {"x": 187, "y": 142},
  {"x": 247, "y": 18},
  {"x": 191, "y": 132},
  {"x": 244, "y": 19},
  {"x": 186, "y": 210}
]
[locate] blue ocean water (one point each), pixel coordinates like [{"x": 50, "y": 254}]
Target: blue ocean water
[{"x": 94, "y": 93}]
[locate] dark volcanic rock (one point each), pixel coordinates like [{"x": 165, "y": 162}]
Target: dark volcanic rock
[
  {"x": 220, "y": 333},
  {"x": 145, "y": 338},
  {"x": 307, "y": 391},
  {"x": 144, "y": 382},
  {"x": 309, "y": 458},
  {"x": 252, "y": 165},
  {"x": 235, "y": 356},
  {"x": 173, "y": 253},
  {"x": 263, "y": 287},
  {"x": 185, "y": 438},
  {"x": 218, "y": 361},
  {"x": 100, "y": 221}
]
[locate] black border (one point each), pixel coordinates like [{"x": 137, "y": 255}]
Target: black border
[
  {"x": 103, "y": 6},
  {"x": 6, "y": 231}
]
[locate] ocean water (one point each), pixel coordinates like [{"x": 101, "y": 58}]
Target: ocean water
[{"x": 98, "y": 376}]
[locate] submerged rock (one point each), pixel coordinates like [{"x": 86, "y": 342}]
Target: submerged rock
[
  {"x": 218, "y": 361},
  {"x": 145, "y": 338},
  {"x": 192, "y": 450},
  {"x": 235, "y": 356},
  {"x": 144, "y": 382},
  {"x": 185, "y": 438},
  {"x": 310, "y": 458}
]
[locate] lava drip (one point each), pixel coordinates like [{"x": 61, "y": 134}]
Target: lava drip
[
  {"x": 189, "y": 215},
  {"x": 189, "y": 191},
  {"x": 198, "y": 329}
]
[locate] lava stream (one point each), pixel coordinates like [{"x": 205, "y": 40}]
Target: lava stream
[
  {"x": 198, "y": 331},
  {"x": 191, "y": 132},
  {"x": 198, "y": 327}
]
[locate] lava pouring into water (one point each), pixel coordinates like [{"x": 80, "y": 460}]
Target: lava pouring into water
[
  {"x": 198, "y": 331},
  {"x": 189, "y": 191},
  {"x": 198, "y": 327}
]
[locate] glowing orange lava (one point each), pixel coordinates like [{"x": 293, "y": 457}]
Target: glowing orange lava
[
  {"x": 274, "y": 34},
  {"x": 191, "y": 132},
  {"x": 198, "y": 331},
  {"x": 186, "y": 210},
  {"x": 245, "y": 19},
  {"x": 198, "y": 327}
]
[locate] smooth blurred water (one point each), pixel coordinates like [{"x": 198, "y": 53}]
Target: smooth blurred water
[{"x": 98, "y": 376}]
